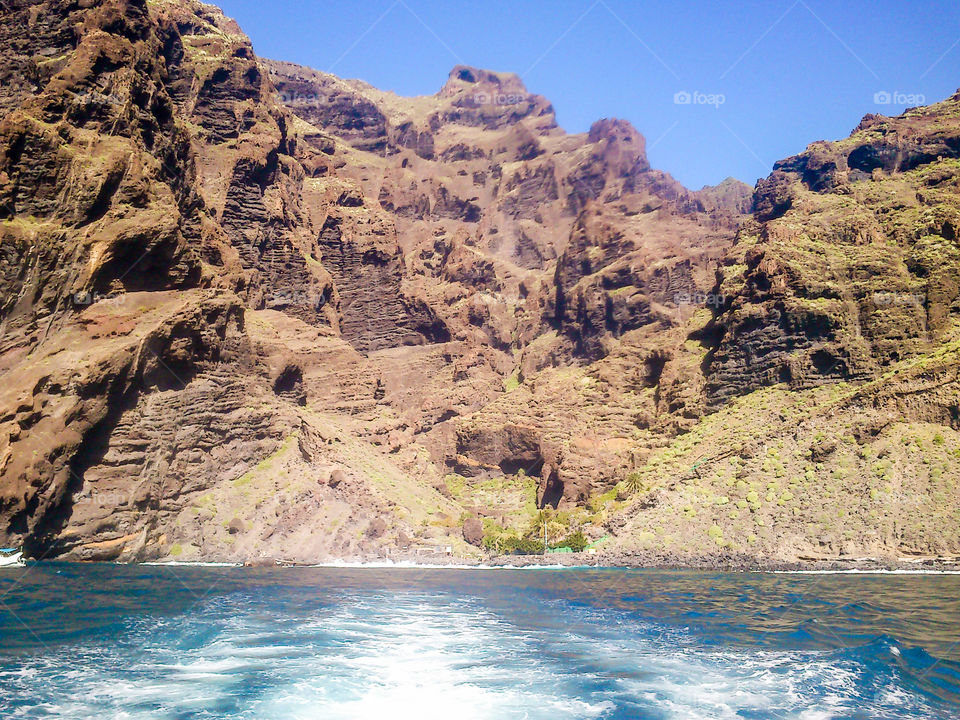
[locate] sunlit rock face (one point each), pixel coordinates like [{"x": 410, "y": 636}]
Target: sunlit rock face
[{"x": 255, "y": 311}]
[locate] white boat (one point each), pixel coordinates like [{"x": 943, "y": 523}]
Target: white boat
[{"x": 10, "y": 556}]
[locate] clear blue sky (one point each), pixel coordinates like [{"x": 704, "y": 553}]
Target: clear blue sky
[{"x": 790, "y": 71}]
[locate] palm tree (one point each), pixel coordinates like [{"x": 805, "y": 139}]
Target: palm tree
[
  {"x": 633, "y": 483},
  {"x": 543, "y": 518}
]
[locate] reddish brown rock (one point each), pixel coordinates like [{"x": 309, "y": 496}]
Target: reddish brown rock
[
  {"x": 252, "y": 311},
  {"x": 473, "y": 531}
]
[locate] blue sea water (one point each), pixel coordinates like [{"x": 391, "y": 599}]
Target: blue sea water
[{"x": 104, "y": 641}]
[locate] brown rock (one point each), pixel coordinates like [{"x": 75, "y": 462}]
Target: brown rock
[
  {"x": 473, "y": 531},
  {"x": 235, "y": 526},
  {"x": 376, "y": 528},
  {"x": 201, "y": 305}
]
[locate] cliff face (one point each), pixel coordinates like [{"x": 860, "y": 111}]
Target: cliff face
[
  {"x": 832, "y": 362},
  {"x": 251, "y": 310},
  {"x": 540, "y": 253},
  {"x": 851, "y": 262},
  {"x": 159, "y": 282}
]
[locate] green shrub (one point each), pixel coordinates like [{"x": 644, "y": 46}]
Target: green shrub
[
  {"x": 493, "y": 543},
  {"x": 522, "y": 546},
  {"x": 576, "y": 542}
]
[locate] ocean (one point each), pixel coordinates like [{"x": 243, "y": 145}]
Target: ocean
[{"x": 181, "y": 642}]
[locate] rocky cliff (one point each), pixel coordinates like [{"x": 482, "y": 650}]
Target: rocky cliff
[
  {"x": 831, "y": 362},
  {"x": 254, "y": 311}
]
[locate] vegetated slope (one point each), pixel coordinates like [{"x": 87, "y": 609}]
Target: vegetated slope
[
  {"x": 832, "y": 363},
  {"x": 251, "y": 310}
]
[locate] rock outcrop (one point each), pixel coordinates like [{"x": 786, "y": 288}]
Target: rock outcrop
[
  {"x": 832, "y": 362},
  {"x": 850, "y": 264}
]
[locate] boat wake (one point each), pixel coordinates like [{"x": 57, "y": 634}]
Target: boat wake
[{"x": 424, "y": 655}]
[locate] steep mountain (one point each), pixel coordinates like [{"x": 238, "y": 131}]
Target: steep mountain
[
  {"x": 832, "y": 362},
  {"x": 252, "y": 311},
  {"x": 544, "y": 255}
]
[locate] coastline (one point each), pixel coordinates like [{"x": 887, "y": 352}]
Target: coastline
[
  {"x": 901, "y": 566},
  {"x": 654, "y": 561}
]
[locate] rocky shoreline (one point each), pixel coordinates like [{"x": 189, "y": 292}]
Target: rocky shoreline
[
  {"x": 734, "y": 563},
  {"x": 641, "y": 561},
  {"x": 598, "y": 561}
]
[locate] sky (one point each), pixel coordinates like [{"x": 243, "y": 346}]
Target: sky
[{"x": 718, "y": 89}]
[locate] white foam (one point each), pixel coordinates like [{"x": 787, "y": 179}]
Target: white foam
[
  {"x": 411, "y": 565},
  {"x": 858, "y": 571},
  {"x": 421, "y": 656},
  {"x": 189, "y": 563}
]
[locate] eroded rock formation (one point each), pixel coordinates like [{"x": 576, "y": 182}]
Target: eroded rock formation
[{"x": 249, "y": 310}]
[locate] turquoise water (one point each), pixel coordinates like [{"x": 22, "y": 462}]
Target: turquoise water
[{"x": 102, "y": 641}]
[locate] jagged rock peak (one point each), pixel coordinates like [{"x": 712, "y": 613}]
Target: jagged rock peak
[
  {"x": 625, "y": 149},
  {"x": 616, "y": 129},
  {"x": 730, "y": 195},
  {"x": 464, "y": 78},
  {"x": 492, "y": 99}
]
